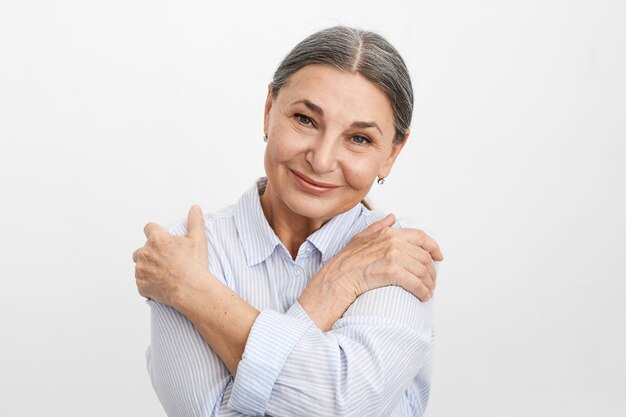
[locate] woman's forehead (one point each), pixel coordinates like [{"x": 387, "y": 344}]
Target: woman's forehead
[{"x": 330, "y": 90}]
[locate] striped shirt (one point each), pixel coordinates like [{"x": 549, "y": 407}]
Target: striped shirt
[{"x": 375, "y": 361}]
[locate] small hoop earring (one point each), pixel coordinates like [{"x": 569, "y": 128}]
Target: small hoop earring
[
  {"x": 265, "y": 137},
  {"x": 381, "y": 180}
]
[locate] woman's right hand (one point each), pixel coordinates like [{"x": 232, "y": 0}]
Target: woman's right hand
[{"x": 379, "y": 256}]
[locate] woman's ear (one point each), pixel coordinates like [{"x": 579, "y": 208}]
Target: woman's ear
[
  {"x": 395, "y": 151},
  {"x": 268, "y": 107}
]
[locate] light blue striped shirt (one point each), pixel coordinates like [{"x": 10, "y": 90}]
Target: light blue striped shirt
[{"x": 375, "y": 361}]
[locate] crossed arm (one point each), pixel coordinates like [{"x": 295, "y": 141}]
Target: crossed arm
[{"x": 203, "y": 332}]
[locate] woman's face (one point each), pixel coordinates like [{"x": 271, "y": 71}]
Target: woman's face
[{"x": 330, "y": 135}]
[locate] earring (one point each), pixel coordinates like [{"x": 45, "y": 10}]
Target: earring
[
  {"x": 381, "y": 180},
  {"x": 265, "y": 137}
]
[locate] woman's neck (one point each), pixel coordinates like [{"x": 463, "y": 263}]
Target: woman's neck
[{"x": 291, "y": 228}]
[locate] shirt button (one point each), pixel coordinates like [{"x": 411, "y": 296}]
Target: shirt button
[{"x": 298, "y": 272}]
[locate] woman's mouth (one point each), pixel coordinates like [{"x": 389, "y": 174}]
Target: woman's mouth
[{"x": 312, "y": 186}]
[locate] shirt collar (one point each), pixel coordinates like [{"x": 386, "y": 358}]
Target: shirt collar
[
  {"x": 256, "y": 235},
  {"x": 335, "y": 233},
  {"x": 259, "y": 240}
]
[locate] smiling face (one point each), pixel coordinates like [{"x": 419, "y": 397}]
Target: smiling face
[{"x": 330, "y": 135}]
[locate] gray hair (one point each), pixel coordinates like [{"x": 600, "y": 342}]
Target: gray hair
[{"x": 356, "y": 51}]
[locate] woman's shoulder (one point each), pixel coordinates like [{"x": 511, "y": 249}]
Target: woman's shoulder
[
  {"x": 217, "y": 221},
  {"x": 372, "y": 216}
]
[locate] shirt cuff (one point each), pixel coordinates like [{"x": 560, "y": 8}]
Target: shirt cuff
[
  {"x": 271, "y": 340},
  {"x": 298, "y": 312}
]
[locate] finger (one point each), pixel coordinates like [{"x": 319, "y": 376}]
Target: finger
[
  {"x": 421, "y": 239},
  {"x": 388, "y": 221},
  {"x": 136, "y": 255},
  {"x": 414, "y": 286},
  {"x": 195, "y": 222},
  {"x": 152, "y": 228},
  {"x": 421, "y": 272},
  {"x": 420, "y": 255}
]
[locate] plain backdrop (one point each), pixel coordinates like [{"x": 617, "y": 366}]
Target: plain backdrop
[{"x": 116, "y": 113}]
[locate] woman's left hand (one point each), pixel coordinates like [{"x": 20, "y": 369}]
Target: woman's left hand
[{"x": 168, "y": 264}]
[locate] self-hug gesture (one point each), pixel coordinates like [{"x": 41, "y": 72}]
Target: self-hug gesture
[{"x": 170, "y": 267}]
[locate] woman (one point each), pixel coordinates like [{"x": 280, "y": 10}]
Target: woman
[{"x": 308, "y": 302}]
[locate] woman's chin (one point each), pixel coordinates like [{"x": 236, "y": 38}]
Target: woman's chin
[
  {"x": 318, "y": 209},
  {"x": 311, "y": 210}
]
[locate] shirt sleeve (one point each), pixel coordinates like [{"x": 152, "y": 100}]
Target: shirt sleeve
[
  {"x": 187, "y": 375},
  {"x": 378, "y": 352},
  {"x": 361, "y": 367}
]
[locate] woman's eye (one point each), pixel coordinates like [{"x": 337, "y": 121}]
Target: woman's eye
[
  {"x": 361, "y": 140},
  {"x": 304, "y": 120}
]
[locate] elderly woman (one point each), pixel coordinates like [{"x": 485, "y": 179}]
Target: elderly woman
[{"x": 299, "y": 300}]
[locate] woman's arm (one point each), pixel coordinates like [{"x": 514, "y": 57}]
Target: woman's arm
[
  {"x": 187, "y": 375},
  {"x": 379, "y": 256},
  {"x": 220, "y": 316},
  {"x": 173, "y": 270},
  {"x": 362, "y": 366}
]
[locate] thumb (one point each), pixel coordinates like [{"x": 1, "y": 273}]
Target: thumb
[
  {"x": 195, "y": 222},
  {"x": 388, "y": 221}
]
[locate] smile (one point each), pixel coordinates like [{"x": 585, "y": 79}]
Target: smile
[{"x": 311, "y": 186}]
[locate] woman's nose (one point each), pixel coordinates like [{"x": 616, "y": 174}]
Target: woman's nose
[{"x": 322, "y": 155}]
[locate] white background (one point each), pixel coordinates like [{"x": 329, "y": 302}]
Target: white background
[{"x": 116, "y": 113}]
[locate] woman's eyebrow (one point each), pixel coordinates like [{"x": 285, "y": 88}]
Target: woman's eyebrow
[
  {"x": 311, "y": 106},
  {"x": 365, "y": 125}
]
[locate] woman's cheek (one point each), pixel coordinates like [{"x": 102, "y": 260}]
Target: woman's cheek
[{"x": 359, "y": 175}]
